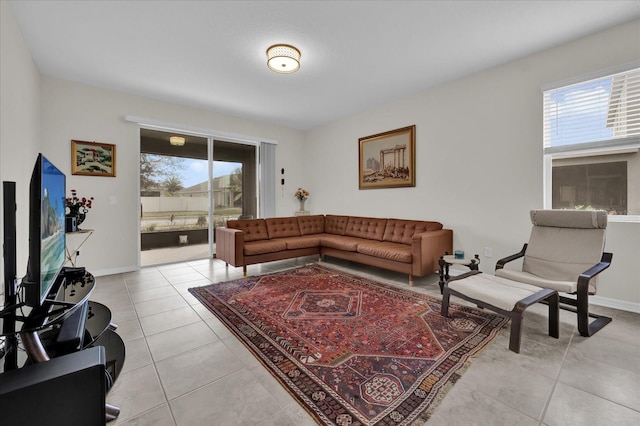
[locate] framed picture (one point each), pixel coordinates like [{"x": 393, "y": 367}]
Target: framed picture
[
  {"x": 388, "y": 160},
  {"x": 93, "y": 159}
]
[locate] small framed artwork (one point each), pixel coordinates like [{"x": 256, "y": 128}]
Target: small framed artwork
[
  {"x": 388, "y": 160},
  {"x": 93, "y": 159}
]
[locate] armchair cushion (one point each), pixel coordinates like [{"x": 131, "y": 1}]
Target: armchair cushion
[
  {"x": 501, "y": 293},
  {"x": 525, "y": 277},
  {"x": 562, "y": 254},
  {"x": 585, "y": 219},
  {"x": 563, "y": 244}
]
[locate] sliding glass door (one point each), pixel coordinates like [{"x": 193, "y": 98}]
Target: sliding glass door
[
  {"x": 234, "y": 181},
  {"x": 174, "y": 197},
  {"x": 187, "y": 184}
]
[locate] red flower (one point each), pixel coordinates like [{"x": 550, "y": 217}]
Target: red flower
[{"x": 76, "y": 204}]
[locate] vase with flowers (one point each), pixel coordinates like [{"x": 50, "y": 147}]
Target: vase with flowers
[
  {"x": 301, "y": 194},
  {"x": 77, "y": 208}
]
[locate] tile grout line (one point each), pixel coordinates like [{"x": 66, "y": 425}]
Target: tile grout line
[
  {"x": 557, "y": 379},
  {"x": 153, "y": 362}
]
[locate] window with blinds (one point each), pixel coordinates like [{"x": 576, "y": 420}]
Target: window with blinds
[
  {"x": 592, "y": 143},
  {"x": 597, "y": 111}
]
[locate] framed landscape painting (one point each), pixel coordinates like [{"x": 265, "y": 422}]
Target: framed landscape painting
[
  {"x": 93, "y": 159},
  {"x": 388, "y": 160}
]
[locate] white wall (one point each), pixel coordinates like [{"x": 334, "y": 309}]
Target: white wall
[
  {"x": 75, "y": 111},
  {"x": 478, "y": 156},
  {"x": 19, "y": 122}
]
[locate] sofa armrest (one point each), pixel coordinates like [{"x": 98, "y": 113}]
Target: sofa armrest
[
  {"x": 230, "y": 245},
  {"x": 426, "y": 249}
]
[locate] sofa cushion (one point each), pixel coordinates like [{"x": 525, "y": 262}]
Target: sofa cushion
[
  {"x": 280, "y": 227},
  {"x": 264, "y": 246},
  {"x": 397, "y": 252},
  {"x": 340, "y": 242},
  {"x": 335, "y": 224},
  {"x": 253, "y": 229},
  {"x": 401, "y": 231},
  {"x": 311, "y": 224},
  {"x": 305, "y": 241},
  {"x": 370, "y": 228}
]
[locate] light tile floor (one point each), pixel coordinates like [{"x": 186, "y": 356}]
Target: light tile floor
[{"x": 183, "y": 367}]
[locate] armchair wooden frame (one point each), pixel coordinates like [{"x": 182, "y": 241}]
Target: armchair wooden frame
[{"x": 579, "y": 305}]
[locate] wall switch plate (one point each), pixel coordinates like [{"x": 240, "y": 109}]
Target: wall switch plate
[{"x": 488, "y": 252}]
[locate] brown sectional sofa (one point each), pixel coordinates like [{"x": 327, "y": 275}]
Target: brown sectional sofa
[{"x": 408, "y": 246}]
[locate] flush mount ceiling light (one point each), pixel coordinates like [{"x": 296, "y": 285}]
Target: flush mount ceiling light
[
  {"x": 283, "y": 58},
  {"x": 176, "y": 140}
]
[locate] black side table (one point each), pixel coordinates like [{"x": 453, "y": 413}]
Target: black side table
[{"x": 449, "y": 259}]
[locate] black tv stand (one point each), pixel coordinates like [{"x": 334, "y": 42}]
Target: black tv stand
[
  {"x": 73, "y": 272},
  {"x": 68, "y": 390},
  {"x": 64, "y": 325},
  {"x": 70, "y": 336}
]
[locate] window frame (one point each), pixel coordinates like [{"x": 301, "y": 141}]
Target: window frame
[{"x": 626, "y": 145}]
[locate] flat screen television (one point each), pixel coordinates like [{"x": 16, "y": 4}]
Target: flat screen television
[{"x": 46, "y": 231}]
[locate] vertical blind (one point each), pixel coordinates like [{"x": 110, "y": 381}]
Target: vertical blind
[
  {"x": 267, "y": 160},
  {"x": 604, "y": 110}
]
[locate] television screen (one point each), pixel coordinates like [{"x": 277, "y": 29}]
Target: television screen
[{"x": 46, "y": 230}]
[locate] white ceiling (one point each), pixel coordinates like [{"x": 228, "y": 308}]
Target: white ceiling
[{"x": 355, "y": 54}]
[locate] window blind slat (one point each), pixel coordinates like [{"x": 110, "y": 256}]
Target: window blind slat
[{"x": 598, "y": 110}]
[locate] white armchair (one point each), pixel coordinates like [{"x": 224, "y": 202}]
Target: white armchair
[{"x": 565, "y": 253}]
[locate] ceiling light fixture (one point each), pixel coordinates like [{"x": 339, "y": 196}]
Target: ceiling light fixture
[
  {"x": 177, "y": 140},
  {"x": 283, "y": 58}
]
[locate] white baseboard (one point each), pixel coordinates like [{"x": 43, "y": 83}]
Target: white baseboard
[
  {"x": 121, "y": 270},
  {"x": 615, "y": 304}
]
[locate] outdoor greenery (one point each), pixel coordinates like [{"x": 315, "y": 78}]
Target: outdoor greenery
[
  {"x": 172, "y": 185},
  {"x": 235, "y": 185},
  {"x": 160, "y": 170},
  {"x": 161, "y": 176}
]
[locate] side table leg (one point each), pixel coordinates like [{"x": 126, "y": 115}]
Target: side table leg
[
  {"x": 441, "y": 282},
  {"x": 473, "y": 266}
]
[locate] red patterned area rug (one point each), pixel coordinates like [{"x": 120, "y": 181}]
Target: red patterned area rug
[{"x": 351, "y": 350}]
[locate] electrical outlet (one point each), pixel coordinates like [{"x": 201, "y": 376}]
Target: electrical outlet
[{"x": 488, "y": 252}]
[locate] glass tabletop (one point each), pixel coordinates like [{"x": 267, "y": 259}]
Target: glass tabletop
[
  {"x": 451, "y": 259},
  {"x": 72, "y": 293}
]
